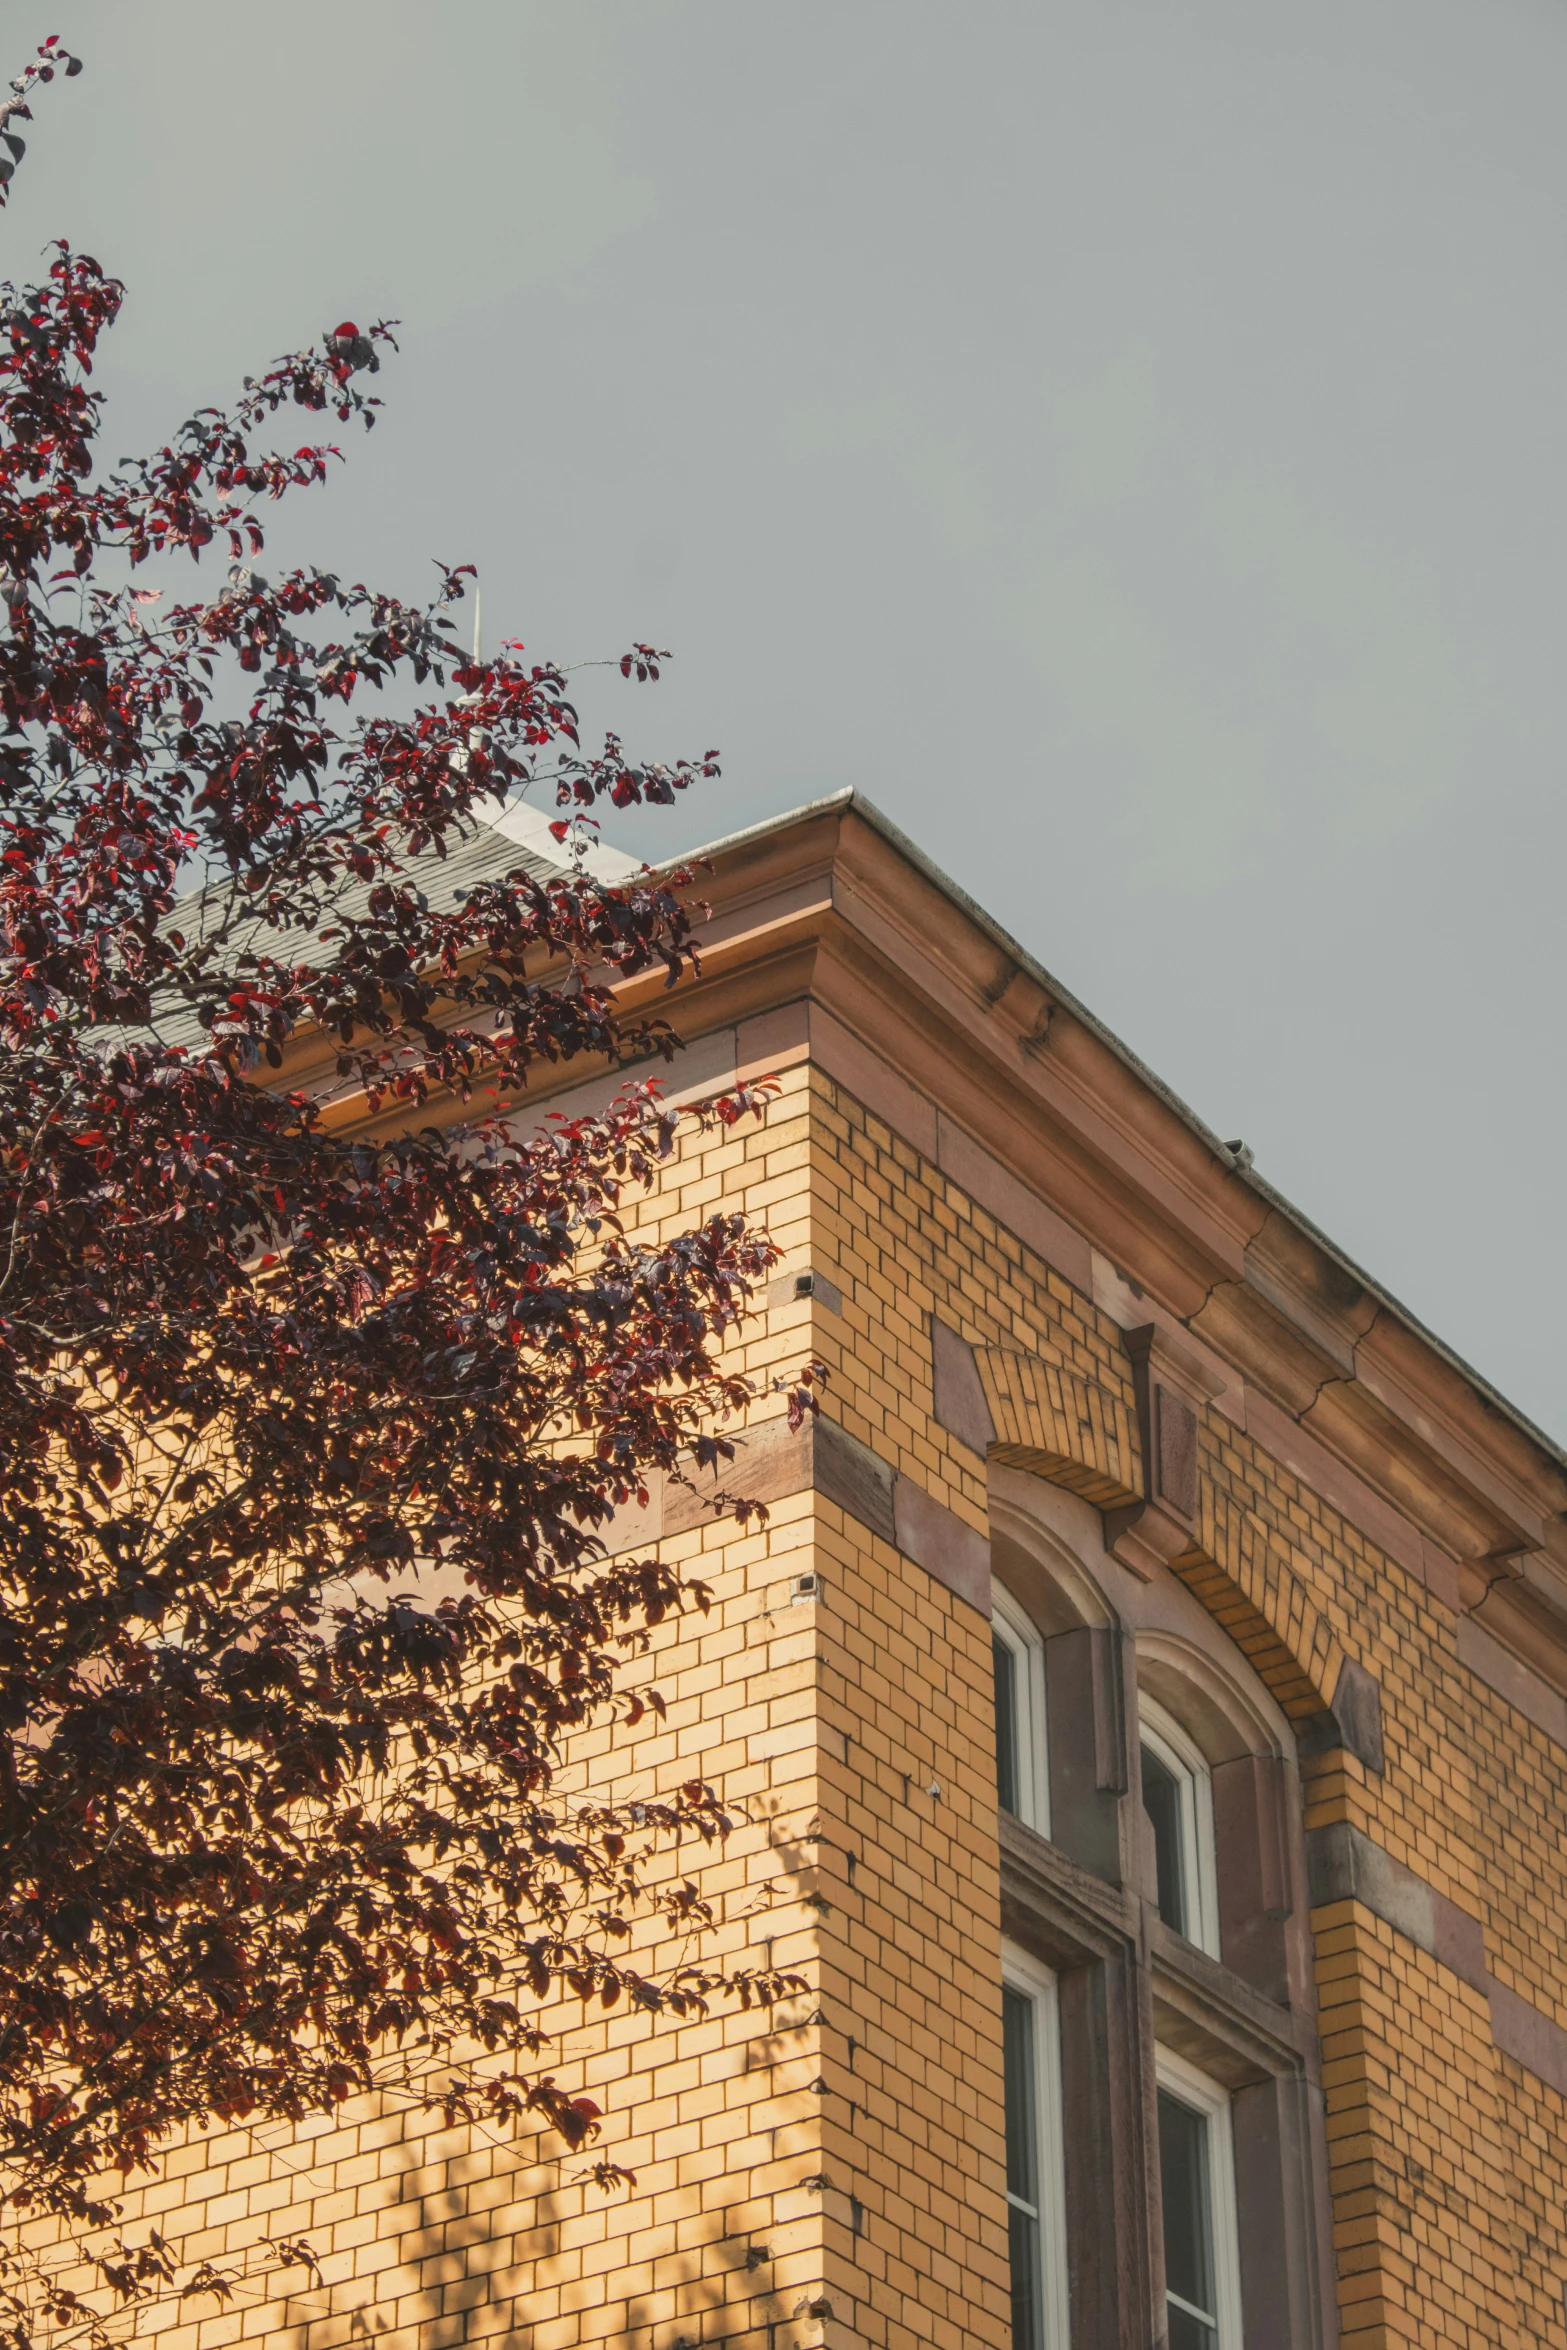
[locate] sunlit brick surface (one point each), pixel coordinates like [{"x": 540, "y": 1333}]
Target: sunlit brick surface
[{"x": 834, "y": 2174}]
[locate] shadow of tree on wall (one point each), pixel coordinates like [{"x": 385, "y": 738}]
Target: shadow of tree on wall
[
  {"x": 445, "y": 2239},
  {"x": 456, "y": 2242}
]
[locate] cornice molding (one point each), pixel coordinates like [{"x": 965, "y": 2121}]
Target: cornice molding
[
  {"x": 911, "y": 977},
  {"x": 945, "y": 1028}
]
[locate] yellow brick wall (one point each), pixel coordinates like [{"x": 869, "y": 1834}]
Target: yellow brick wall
[
  {"x": 910, "y": 1964},
  {"x": 1447, "y": 2157},
  {"x": 1424, "y": 2171},
  {"x": 871, "y": 2179}
]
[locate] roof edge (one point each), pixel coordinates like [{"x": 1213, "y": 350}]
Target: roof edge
[{"x": 851, "y": 797}]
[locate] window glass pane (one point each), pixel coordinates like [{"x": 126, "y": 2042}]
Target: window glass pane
[
  {"x": 1023, "y": 2230},
  {"x": 1190, "y": 2333},
  {"x": 1188, "y": 2225},
  {"x": 1162, "y": 1802},
  {"x": 1006, "y": 1724},
  {"x": 1028, "y": 2316},
  {"x": 1017, "y": 2024}
]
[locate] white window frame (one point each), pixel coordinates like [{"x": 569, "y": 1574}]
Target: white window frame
[
  {"x": 1201, "y": 2095},
  {"x": 1188, "y": 1766},
  {"x": 1021, "y": 1973},
  {"x": 1021, "y": 1637}
]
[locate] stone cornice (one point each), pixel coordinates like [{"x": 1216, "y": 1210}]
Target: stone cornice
[
  {"x": 976, "y": 1052},
  {"x": 981, "y": 1040}
]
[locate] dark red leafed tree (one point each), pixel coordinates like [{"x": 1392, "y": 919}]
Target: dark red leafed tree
[{"x": 277, "y": 1825}]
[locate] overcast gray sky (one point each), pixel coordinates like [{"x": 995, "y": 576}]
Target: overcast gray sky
[{"x": 1128, "y": 441}]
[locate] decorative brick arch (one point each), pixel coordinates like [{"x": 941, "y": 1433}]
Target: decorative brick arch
[
  {"x": 1246, "y": 1583},
  {"x": 1080, "y": 1434},
  {"x": 1060, "y": 1426}
]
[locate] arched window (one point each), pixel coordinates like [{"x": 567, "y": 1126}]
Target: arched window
[
  {"x": 1022, "y": 1768},
  {"x": 1178, "y": 1807},
  {"x": 1214, "y": 1782}
]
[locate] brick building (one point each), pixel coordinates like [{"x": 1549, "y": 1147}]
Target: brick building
[{"x": 1148, "y": 1705}]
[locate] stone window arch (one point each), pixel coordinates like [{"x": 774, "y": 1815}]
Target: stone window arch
[{"x": 1245, "y": 1747}]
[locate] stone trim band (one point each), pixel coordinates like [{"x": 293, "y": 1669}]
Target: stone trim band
[{"x": 1342, "y": 1864}]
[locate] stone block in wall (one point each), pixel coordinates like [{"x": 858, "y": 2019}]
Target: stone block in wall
[
  {"x": 1353, "y": 1721},
  {"x": 1085, "y": 1715},
  {"x": 1251, "y": 1825}
]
